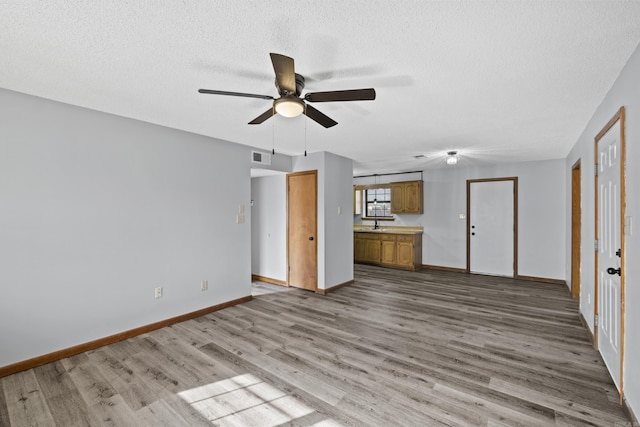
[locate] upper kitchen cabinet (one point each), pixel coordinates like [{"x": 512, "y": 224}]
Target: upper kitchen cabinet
[{"x": 406, "y": 197}]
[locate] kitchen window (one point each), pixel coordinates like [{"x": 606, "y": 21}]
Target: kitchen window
[{"x": 378, "y": 202}]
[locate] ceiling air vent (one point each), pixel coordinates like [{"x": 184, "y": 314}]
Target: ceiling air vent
[{"x": 260, "y": 158}]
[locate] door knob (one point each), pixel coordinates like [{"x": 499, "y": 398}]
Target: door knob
[
  {"x": 612, "y": 270},
  {"x": 311, "y": 238}
]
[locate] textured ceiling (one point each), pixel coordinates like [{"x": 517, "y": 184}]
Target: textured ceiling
[{"x": 500, "y": 81}]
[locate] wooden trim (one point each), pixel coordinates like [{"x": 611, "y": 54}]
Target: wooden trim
[
  {"x": 629, "y": 413},
  {"x": 623, "y": 210},
  {"x": 442, "y": 268},
  {"x": 371, "y": 186},
  {"x": 618, "y": 116},
  {"x": 515, "y": 219},
  {"x": 576, "y": 228},
  {"x": 334, "y": 288},
  {"x": 586, "y": 327},
  {"x": 543, "y": 280},
  {"x": 268, "y": 280},
  {"x": 91, "y": 345}
]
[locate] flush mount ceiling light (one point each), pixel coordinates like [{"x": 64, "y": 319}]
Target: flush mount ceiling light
[
  {"x": 452, "y": 157},
  {"x": 289, "y": 106}
]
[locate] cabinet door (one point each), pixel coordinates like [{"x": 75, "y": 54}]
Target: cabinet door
[
  {"x": 405, "y": 254},
  {"x": 357, "y": 201},
  {"x": 413, "y": 197},
  {"x": 372, "y": 251},
  {"x": 388, "y": 252},
  {"x": 359, "y": 249},
  {"x": 397, "y": 197}
]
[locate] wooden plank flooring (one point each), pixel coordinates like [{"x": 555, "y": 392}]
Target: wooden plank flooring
[{"x": 395, "y": 348}]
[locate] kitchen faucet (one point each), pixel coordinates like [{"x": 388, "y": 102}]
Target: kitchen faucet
[{"x": 375, "y": 224}]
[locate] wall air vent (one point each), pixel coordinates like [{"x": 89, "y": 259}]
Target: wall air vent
[{"x": 260, "y": 158}]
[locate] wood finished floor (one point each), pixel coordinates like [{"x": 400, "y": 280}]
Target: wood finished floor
[{"x": 395, "y": 348}]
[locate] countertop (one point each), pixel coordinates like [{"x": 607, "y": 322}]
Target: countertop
[{"x": 391, "y": 229}]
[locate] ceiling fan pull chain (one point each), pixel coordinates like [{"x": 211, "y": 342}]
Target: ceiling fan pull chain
[
  {"x": 305, "y": 133},
  {"x": 273, "y": 138}
]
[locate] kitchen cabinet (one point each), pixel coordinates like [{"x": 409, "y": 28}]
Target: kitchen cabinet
[
  {"x": 395, "y": 250},
  {"x": 406, "y": 197},
  {"x": 357, "y": 200},
  {"x": 367, "y": 248},
  {"x": 388, "y": 249}
]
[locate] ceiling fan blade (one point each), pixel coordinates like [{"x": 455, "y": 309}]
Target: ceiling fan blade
[
  {"x": 319, "y": 117},
  {"x": 342, "y": 95},
  {"x": 285, "y": 73},
  {"x": 245, "y": 95},
  {"x": 262, "y": 117}
]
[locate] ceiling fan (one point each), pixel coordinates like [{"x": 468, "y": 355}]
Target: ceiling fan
[{"x": 290, "y": 103}]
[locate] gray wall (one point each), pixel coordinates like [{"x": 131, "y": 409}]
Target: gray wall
[
  {"x": 625, "y": 92},
  {"x": 97, "y": 210}
]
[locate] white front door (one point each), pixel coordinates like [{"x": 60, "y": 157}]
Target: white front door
[
  {"x": 609, "y": 250},
  {"x": 491, "y": 227}
]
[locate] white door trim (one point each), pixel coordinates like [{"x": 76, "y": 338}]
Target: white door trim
[{"x": 619, "y": 116}]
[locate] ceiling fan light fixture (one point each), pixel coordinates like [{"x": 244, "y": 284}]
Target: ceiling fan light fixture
[
  {"x": 452, "y": 157},
  {"x": 289, "y": 107}
]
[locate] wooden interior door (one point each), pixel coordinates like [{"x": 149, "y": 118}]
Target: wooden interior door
[
  {"x": 576, "y": 228},
  {"x": 302, "y": 225},
  {"x": 610, "y": 250},
  {"x": 491, "y": 222}
]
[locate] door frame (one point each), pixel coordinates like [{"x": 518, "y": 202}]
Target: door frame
[
  {"x": 315, "y": 233},
  {"x": 618, "y": 116},
  {"x": 576, "y": 227},
  {"x": 515, "y": 219}
]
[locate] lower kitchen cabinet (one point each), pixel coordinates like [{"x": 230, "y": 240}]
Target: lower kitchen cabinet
[
  {"x": 367, "y": 248},
  {"x": 389, "y": 249}
]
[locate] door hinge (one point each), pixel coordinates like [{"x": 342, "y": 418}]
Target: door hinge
[
  {"x": 595, "y": 170},
  {"x": 595, "y": 245},
  {"x": 595, "y": 321}
]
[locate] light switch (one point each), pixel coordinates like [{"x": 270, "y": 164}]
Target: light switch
[{"x": 462, "y": 216}]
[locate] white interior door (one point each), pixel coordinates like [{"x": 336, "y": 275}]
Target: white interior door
[
  {"x": 491, "y": 227},
  {"x": 609, "y": 250}
]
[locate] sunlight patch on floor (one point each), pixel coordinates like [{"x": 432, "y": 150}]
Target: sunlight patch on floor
[{"x": 246, "y": 400}]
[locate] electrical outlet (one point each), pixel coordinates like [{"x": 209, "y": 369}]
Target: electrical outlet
[
  {"x": 204, "y": 285},
  {"x": 158, "y": 292}
]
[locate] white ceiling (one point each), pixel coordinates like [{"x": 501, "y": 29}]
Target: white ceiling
[{"x": 500, "y": 81}]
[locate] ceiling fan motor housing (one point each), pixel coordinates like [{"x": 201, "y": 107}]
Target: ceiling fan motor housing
[{"x": 299, "y": 86}]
